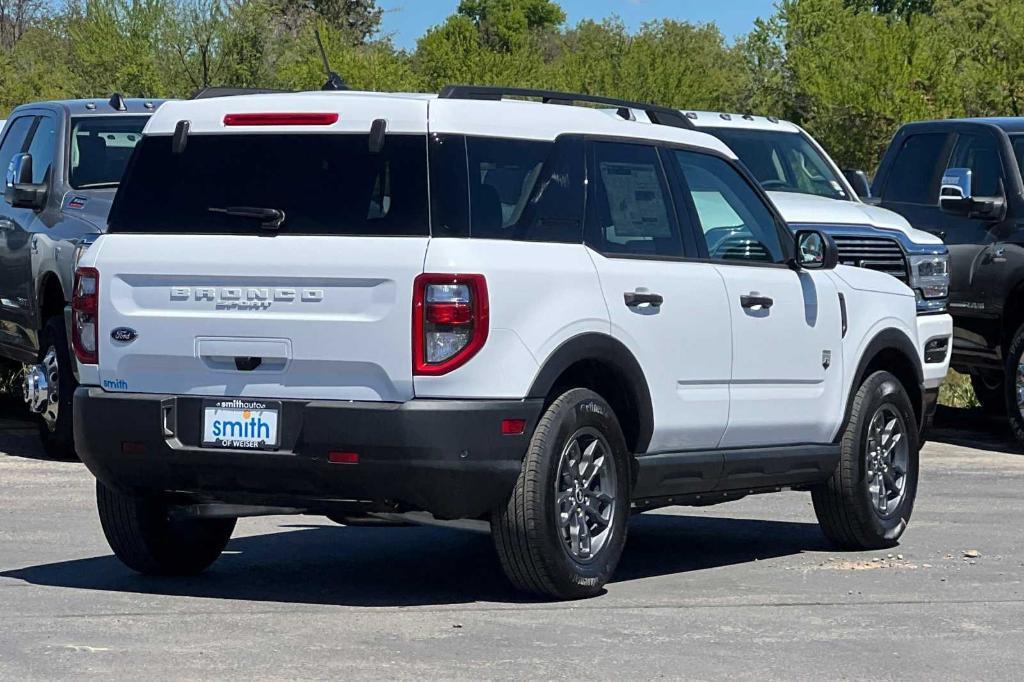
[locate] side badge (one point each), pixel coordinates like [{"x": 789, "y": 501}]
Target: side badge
[
  {"x": 826, "y": 358},
  {"x": 124, "y": 335}
]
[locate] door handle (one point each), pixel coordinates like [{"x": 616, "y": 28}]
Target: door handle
[
  {"x": 635, "y": 299},
  {"x": 752, "y": 300}
]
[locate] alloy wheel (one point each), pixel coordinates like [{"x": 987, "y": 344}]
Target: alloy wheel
[
  {"x": 51, "y": 369},
  {"x": 887, "y": 454},
  {"x": 1020, "y": 386},
  {"x": 585, "y": 494}
]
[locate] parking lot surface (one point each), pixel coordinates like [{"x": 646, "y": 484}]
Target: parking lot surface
[{"x": 744, "y": 590}]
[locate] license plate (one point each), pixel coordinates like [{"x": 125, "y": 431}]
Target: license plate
[{"x": 241, "y": 424}]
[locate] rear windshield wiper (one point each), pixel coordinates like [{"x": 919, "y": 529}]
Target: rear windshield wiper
[{"x": 270, "y": 218}]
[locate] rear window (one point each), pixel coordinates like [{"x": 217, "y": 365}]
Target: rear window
[{"x": 308, "y": 184}]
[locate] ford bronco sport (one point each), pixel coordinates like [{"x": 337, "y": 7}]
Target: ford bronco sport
[{"x": 526, "y": 316}]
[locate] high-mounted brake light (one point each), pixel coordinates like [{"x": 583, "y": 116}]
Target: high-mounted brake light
[
  {"x": 295, "y": 119},
  {"x": 450, "y": 319},
  {"x": 85, "y": 315}
]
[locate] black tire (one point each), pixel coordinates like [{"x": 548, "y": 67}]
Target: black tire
[
  {"x": 844, "y": 506},
  {"x": 526, "y": 531},
  {"x": 1014, "y": 358},
  {"x": 58, "y": 439},
  {"x": 990, "y": 390},
  {"x": 147, "y": 540}
]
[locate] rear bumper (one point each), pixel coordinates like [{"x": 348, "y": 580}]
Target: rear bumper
[{"x": 447, "y": 457}]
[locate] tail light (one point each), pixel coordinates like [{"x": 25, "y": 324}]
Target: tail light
[
  {"x": 85, "y": 315},
  {"x": 296, "y": 119},
  {"x": 449, "y": 321}
]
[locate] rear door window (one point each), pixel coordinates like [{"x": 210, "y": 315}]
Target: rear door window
[
  {"x": 916, "y": 174},
  {"x": 306, "y": 183},
  {"x": 101, "y": 147},
  {"x": 630, "y": 211}
]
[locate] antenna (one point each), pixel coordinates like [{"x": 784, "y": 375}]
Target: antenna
[{"x": 334, "y": 81}]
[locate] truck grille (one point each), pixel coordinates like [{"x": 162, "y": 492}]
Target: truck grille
[{"x": 874, "y": 253}]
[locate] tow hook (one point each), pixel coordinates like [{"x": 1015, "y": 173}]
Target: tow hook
[{"x": 36, "y": 389}]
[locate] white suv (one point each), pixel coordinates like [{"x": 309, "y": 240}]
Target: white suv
[{"x": 480, "y": 311}]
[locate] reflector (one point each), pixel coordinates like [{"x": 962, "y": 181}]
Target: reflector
[{"x": 343, "y": 458}]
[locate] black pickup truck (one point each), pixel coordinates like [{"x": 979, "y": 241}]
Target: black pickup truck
[{"x": 961, "y": 180}]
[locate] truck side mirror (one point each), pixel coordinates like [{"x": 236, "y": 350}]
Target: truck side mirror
[
  {"x": 19, "y": 190},
  {"x": 955, "y": 195},
  {"x": 858, "y": 179}
]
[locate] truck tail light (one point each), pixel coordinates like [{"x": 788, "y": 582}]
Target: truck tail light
[
  {"x": 85, "y": 315},
  {"x": 449, "y": 321}
]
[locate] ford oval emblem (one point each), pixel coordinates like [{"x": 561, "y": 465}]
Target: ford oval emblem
[{"x": 124, "y": 335}]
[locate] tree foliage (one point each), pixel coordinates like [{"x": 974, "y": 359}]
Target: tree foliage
[{"x": 850, "y": 71}]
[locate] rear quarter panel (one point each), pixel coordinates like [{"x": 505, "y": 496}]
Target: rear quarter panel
[{"x": 540, "y": 296}]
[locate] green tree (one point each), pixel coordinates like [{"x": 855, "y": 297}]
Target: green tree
[
  {"x": 903, "y": 8},
  {"x": 357, "y": 20},
  {"x": 506, "y": 25},
  {"x": 114, "y": 45},
  {"x": 36, "y": 68}
]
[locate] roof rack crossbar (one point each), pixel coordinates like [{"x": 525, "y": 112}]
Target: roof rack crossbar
[{"x": 657, "y": 114}]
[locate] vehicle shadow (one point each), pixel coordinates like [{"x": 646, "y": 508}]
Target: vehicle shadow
[
  {"x": 19, "y": 436},
  {"x": 415, "y": 566},
  {"x": 973, "y": 428}
]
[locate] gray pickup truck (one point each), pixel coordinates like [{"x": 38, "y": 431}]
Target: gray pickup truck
[{"x": 64, "y": 161}]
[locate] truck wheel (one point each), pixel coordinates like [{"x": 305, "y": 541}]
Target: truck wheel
[
  {"x": 1013, "y": 392},
  {"x": 145, "y": 538},
  {"x": 990, "y": 390},
  {"x": 56, "y": 427},
  {"x": 562, "y": 532},
  {"x": 867, "y": 502}
]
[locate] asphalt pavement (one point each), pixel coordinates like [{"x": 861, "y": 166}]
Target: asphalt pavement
[{"x": 743, "y": 590}]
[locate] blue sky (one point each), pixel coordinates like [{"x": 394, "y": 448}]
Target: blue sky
[{"x": 408, "y": 19}]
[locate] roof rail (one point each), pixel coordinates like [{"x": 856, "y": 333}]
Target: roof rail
[
  {"x": 211, "y": 92},
  {"x": 657, "y": 114}
]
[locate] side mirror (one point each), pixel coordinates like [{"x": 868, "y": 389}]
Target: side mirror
[
  {"x": 858, "y": 179},
  {"x": 19, "y": 190},
  {"x": 816, "y": 251},
  {"x": 955, "y": 195}
]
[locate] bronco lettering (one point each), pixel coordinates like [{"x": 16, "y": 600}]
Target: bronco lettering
[{"x": 250, "y": 297}]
